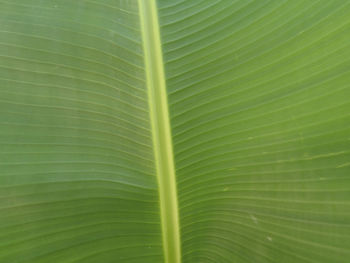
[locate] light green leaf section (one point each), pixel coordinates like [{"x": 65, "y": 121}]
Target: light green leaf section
[
  {"x": 259, "y": 96},
  {"x": 125, "y": 124}
]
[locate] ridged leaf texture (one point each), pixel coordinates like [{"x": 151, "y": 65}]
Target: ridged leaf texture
[{"x": 174, "y": 131}]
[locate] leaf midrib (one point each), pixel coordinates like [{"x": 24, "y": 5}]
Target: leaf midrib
[{"x": 161, "y": 131}]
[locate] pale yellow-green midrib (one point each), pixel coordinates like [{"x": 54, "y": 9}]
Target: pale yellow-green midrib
[{"x": 161, "y": 131}]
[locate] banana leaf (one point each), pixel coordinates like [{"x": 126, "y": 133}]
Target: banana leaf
[{"x": 196, "y": 131}]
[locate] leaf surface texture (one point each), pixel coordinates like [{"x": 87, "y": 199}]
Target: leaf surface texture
[{"x": 257, "y": 94}]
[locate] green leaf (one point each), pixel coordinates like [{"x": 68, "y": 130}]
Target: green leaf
[{"x": 174, "y": 131}]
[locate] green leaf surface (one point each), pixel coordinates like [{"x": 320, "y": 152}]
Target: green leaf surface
[{"x": 145, "y": 131}]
